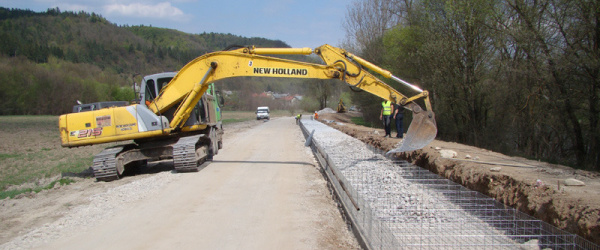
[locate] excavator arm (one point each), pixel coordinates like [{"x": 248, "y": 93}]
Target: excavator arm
[{"x": 339, "y": 64}]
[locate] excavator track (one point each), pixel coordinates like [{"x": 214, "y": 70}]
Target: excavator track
[
  {"x": 105, "y": 164},
  {"x": 185, "y": 158}
]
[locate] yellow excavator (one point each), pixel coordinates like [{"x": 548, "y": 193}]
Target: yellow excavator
[{"x": 178, "y": 115}]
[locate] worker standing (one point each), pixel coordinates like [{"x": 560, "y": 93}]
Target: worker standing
[
  {"x": 316, "y": 115},
  {"x": 385, "y": 116},
  {"x": 399, "y": 119}
]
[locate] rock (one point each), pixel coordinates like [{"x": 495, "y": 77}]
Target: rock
[
  {"x": 532, "y": 244},
  {"x": 438, "y": 148},
  {"x": 539, "y": 183},
  {"x": 495, "y": 169},
  {"x": 467, "y": 156},
  {"x": 476, "y": 158},
  {"x": 375, "y": 132},
  {"x": 573, "y": 182},
  {"x": 446, "y": 153}
]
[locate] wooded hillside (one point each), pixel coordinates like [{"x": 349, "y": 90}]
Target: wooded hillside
[{"x": 51, "y": 59}]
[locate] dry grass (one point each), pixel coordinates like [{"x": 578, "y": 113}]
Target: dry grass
[{"x": 30, "y": 152}]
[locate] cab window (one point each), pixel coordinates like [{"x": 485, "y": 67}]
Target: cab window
[
  {"x": 162, "y": 82},
  {"x": 150, "y": 90}
]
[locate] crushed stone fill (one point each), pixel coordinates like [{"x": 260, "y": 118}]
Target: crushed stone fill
[{"x": 416, "y": 215}]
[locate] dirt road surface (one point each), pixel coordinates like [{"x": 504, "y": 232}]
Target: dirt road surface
[{"x": 263, "y": 191}]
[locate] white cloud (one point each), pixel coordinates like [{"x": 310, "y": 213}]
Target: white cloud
[{"x": 162, "y": 10}]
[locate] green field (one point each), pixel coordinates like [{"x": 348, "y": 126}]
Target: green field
[{"x": 30, "y": 151}]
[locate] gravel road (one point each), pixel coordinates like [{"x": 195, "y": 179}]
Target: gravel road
[{"x": 263, "y": 191}]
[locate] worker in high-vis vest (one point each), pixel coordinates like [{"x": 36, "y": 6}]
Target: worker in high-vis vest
[{"x": 385, "y": 116}]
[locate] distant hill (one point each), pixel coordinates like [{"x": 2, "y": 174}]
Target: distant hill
[
  {"x": 50, "y": 59},
  {"x": 89, "y": 38}
]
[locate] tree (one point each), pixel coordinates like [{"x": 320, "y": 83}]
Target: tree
[
  {"x": 365, "y": 24},
  {"x": 321, "y": 90},
  {"x": 562, "y": 38}
]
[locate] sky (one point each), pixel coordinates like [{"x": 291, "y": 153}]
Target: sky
[{"x": 299, "y": 23}]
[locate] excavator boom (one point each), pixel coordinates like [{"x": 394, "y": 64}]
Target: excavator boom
[{"x": 339, "y": 64}]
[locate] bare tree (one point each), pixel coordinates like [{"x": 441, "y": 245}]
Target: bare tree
[{"x": 365, "y": 24}]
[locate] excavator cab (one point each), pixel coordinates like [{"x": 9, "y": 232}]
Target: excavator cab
[{"x": 152, "y": 85}]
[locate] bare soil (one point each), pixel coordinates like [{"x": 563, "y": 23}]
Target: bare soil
[{"x": 533, "y": 187}]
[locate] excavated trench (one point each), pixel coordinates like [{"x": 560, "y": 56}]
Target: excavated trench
[{"x": 395, "y": 204}]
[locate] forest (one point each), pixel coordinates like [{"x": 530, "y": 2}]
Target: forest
[
  {"x": 49, "y": 60},
  {"x": 515, "y": 76}
]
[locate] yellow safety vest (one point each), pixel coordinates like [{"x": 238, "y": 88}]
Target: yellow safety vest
[{"x": 387, "y": 107}]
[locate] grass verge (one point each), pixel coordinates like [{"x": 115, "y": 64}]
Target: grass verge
[{"x": 360, "y": 121}]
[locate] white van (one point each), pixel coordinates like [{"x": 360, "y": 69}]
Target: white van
[{"x": 262, "y": 113}]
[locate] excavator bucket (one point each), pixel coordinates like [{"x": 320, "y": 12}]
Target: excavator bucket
[{"x": 422, "y": 131}]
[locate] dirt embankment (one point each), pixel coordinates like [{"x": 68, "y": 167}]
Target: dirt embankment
[{"x": 533, "y": 187}]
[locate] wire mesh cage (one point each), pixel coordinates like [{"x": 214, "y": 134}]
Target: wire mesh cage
[{"x": 403, "y": 206}]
